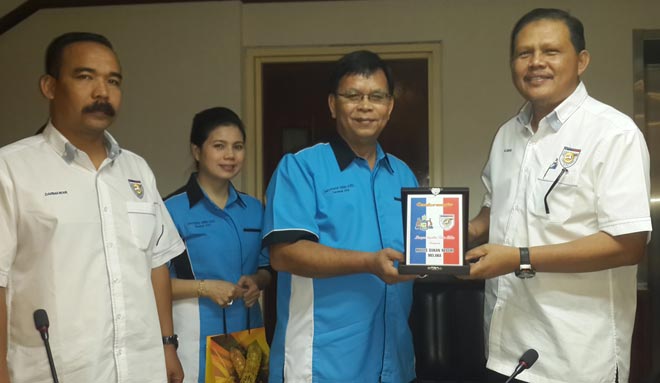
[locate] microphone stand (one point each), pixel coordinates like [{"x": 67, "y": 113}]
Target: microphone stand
[
  {"x": 41, "y": 324},
  {"x": 44, "y": 336}
]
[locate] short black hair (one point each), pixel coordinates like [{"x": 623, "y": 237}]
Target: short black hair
[
  {"x": 361, "y": 62},
  {"x": 574, "y": 25},
  {"x": 56, "y": 47},
  {"x": 207, "y": 120}
]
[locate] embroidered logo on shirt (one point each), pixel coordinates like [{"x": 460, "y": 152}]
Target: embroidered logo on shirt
[
  {"x": 508, "y": 150},
  {"x": 136, "y": 186},
  {"x": 569, "y": 157}
]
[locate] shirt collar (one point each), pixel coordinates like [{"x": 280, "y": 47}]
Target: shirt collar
[
  {"x": 345, "y": 155},
  {"x": 196, "y": 194},
  {"x": 68, "y": 151},
  {"x": 562, "y": 112}
]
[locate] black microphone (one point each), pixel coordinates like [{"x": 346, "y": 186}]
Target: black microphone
[
  {"x": 41, "y": 323},
  {"x": 526, "y": 361}
]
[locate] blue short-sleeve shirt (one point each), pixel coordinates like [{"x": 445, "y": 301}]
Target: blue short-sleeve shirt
[
  {"x": 351, "y": 328},
  {"x": 221, "y": 244}
]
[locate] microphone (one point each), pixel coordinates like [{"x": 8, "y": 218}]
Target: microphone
[
  {"x": 526, "y": 361},
  {"x": 41, "y": 323}
]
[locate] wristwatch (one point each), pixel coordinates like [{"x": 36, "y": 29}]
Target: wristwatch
[
  {"x": 525, "y": 270},
  {"x": 173, "y": 340}
]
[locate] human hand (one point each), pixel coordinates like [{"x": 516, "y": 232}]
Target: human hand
[
  {"x": 383, "y": 266},
  {"x": 251, "y": 292},
  {"x": 222, "y": 292},
  {"x": 172, "y": 365},
  {"x": 492, "y": 260}
]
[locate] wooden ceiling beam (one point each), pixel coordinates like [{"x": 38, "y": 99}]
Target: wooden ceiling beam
[{"x": 29, "y": 7}]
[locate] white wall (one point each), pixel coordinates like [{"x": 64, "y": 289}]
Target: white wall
[
  {"x": 180, "y": 58},
  {"x": 176, "y": 60}
]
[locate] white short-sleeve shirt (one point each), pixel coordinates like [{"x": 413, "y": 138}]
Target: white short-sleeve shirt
[
  {"x": 81, "y": 244},
  {"x": 581, "y": 324}
]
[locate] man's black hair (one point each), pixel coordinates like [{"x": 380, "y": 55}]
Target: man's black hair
[
  {"x": 361, "y": 62},
  {"x": 574, "y": 25},
  {"x": 56, "y": 47}
]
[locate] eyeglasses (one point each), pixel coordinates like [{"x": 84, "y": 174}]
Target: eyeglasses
[
  {"x": 545, "y": 199},
  {"x": 374, "y": 98}
]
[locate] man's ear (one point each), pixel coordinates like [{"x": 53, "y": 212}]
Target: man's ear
[
  {"x": 47, "y": 86},
  {"x": 583, "y": 61},
  {"x": 390, "y": 108},
  {"x": 331, "y": 105}
]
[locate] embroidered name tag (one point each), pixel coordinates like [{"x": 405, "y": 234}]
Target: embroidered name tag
[{"x": 54, "y": 193}]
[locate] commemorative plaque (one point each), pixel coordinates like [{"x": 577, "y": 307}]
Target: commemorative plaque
[{"x": 435, "y": 230}]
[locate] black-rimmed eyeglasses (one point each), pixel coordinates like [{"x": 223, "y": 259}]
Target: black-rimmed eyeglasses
[{"x": 374, "y": 98}]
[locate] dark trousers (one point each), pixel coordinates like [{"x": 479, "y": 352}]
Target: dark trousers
[{"x": 494, "y": 377}]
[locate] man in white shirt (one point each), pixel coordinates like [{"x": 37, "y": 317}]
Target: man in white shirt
[
  {"x": 85, "y": 236},
  {"x": 566, "y": 217}
]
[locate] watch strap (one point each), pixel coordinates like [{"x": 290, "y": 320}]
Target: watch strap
[
  {"x": 524, "y": 256},
  {"x": 172, "y": 339}
]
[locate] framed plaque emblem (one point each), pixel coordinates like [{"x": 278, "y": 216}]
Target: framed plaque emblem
[{"x": 435, "y": 222}]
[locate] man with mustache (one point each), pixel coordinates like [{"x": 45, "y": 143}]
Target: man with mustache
[
  {"x": 85, "y": 236},
  {"x": 566, "y": 216}
]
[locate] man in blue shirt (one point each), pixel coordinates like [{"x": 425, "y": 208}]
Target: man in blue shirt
[{"x": 333, "y": 223}]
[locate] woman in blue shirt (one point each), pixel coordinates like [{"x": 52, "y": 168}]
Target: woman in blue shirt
[{"x": 217, "y": 282}]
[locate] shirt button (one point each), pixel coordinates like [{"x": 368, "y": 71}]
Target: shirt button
[
  {"x": 118, "y": 316},
  {"x": 119, "y": 352},
  {"x": 110, "y": 245},
  {"x": 105, "y": 209},
  {"x": 115, "y": 281}
]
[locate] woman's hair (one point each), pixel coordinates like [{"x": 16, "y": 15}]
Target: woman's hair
[{"x": 207, "y": 120}]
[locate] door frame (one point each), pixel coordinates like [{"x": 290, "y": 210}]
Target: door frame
[
  {"x": 650, "y": 266},
  {"x": 252, "y": 179}
]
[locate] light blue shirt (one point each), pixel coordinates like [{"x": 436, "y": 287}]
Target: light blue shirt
[
  {"x": 221, "y": 244},
  {"x": 351, "y": 328}
]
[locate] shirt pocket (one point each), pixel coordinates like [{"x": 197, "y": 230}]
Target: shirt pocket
[
  {"x": 142, "y": 217},
  {"x": 554, "y": 203}
]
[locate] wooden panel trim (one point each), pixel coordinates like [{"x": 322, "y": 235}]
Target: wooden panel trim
[
  {"x": 19, "y": 14},
  {"x": 29, "y": 7}
]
